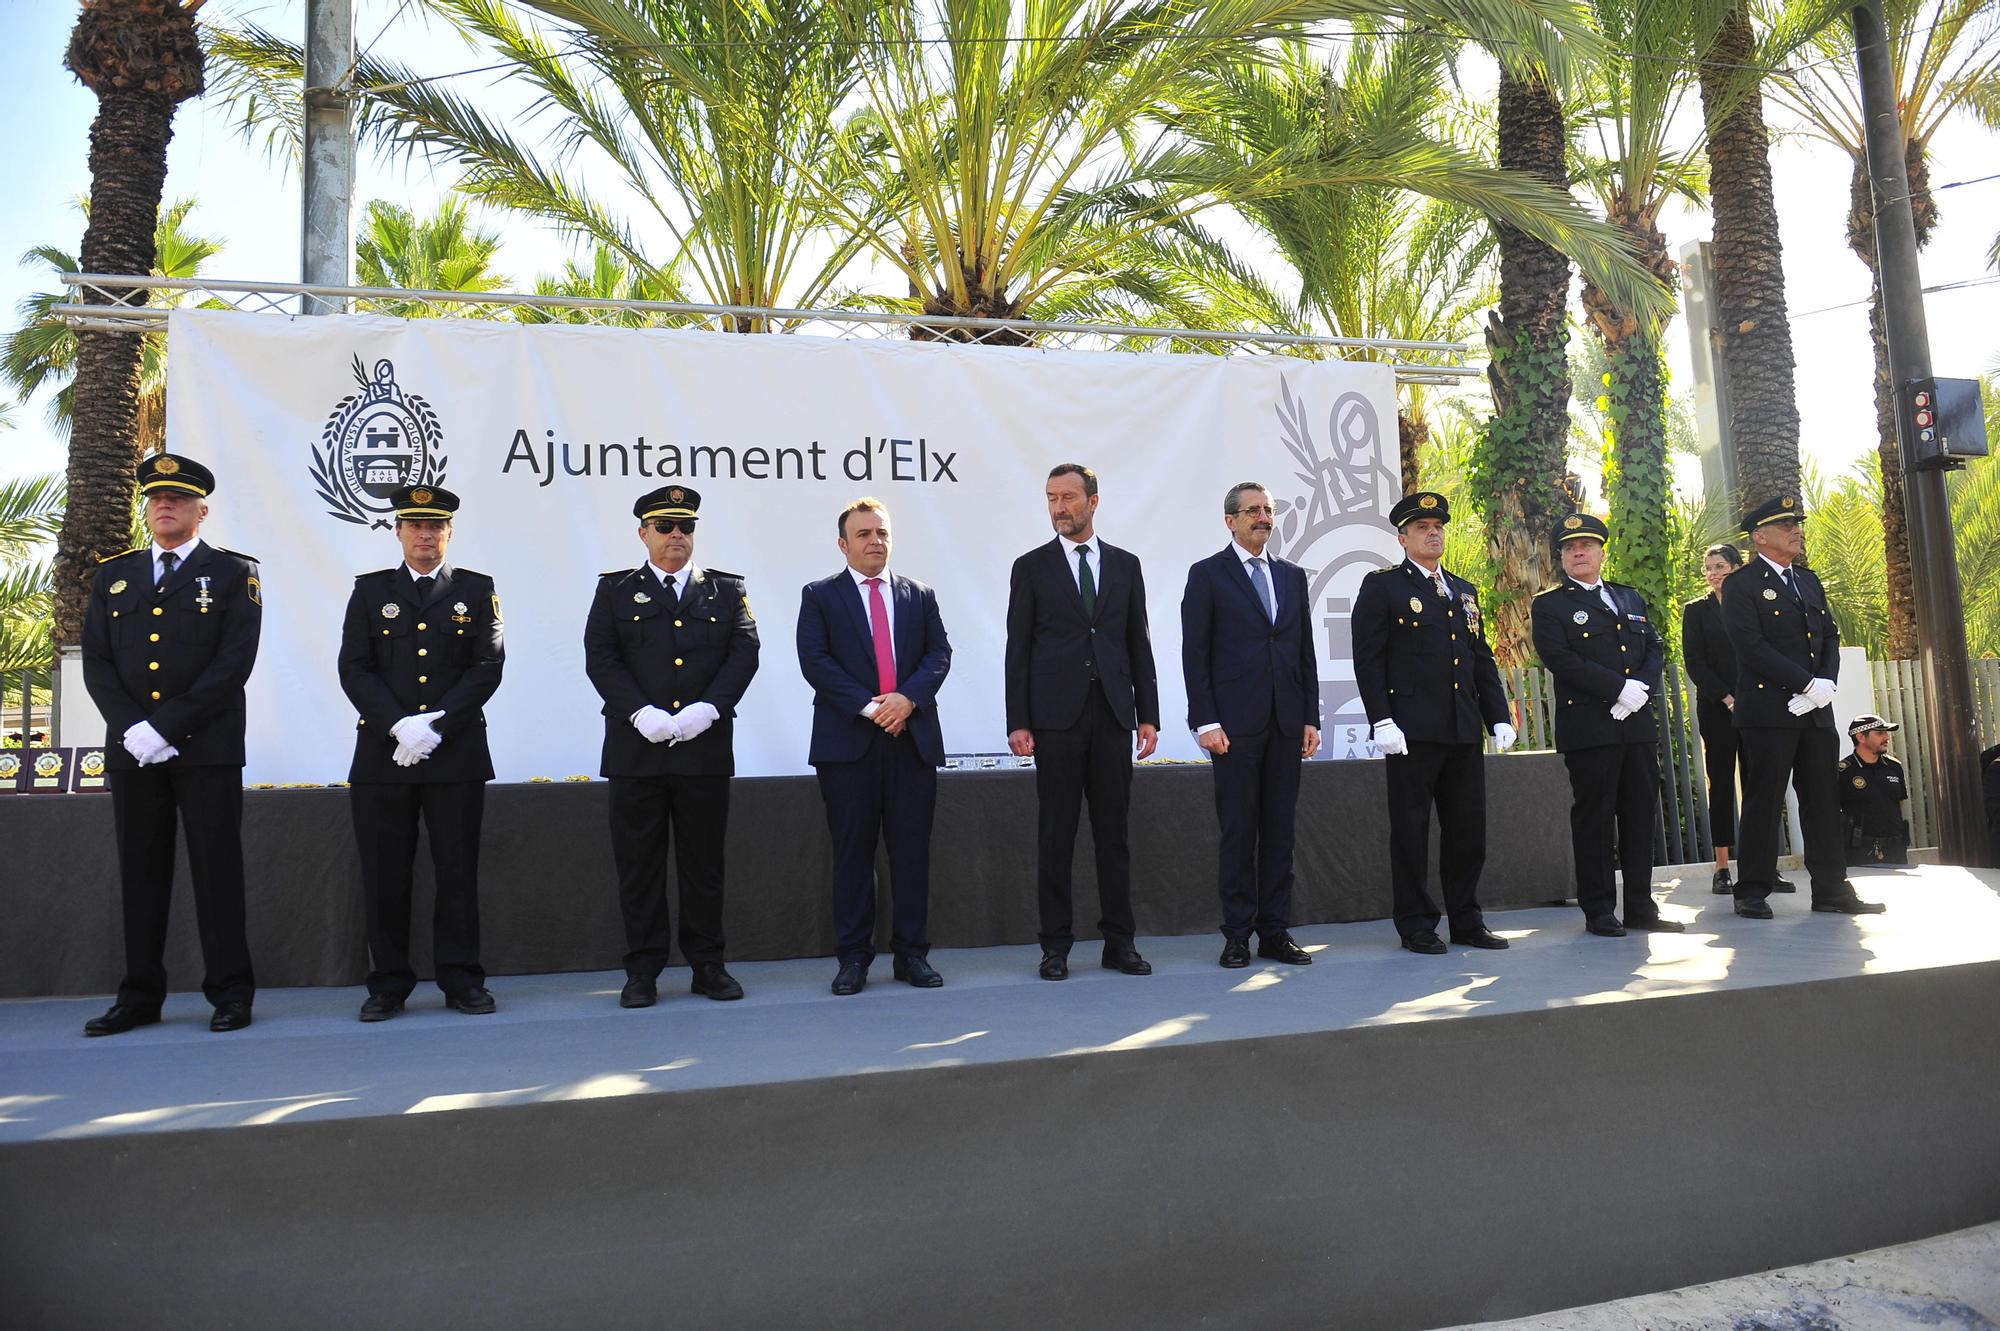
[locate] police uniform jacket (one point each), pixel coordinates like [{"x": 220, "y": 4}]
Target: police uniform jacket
[
  {"x": 1591, "y": 651},
  {"x": 641, "y": 648},
  {"x": 400, "y": 656},
  {"x": 1782, "y": 644},
  {"x": 177, "y": 655},
  {"x": 1422, "y": 660},
  {"x": 1872, "y": 795}
]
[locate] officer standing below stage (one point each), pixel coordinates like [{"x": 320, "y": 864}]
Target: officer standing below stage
[
  {"x": 1872, "y": 791},
  {"x": 420, "y": 654},
  {"x": 1787, "y": 659},
  {"x": 670, "y": 646},
  {"x": 1432, "y": 690},
  {"x": 169, "y": 638},
  {"x": 1598, "y": 640}
]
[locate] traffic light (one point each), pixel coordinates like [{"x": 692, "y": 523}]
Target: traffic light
[{"x": 1943, "y": 421}]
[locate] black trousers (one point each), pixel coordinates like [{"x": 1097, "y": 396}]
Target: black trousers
[
  {"x": 385, "y": 832},
  {"x": 1452, "y": 777},
  {"x": 1091, "y": 759},
  {"x": 1256, "y": 803},
  {"x": 1614, "y": 786},
  {"x": 1807, "y": 758},
  {"x": 649, "y": 816},
  {"x": 1720, "y": 751},
  {"x": 209, "y": 804},
  {"x": 888, "y": 794}
]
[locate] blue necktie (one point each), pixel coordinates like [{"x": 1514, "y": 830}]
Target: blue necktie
[{"x": 1263, "y": 586}]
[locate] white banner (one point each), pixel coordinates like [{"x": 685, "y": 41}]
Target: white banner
[{"x": 549, "y": 432}]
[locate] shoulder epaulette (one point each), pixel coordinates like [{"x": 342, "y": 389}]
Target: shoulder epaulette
[
  {"x": 121, "y": 554},
  {"x": 614, "y": 573},
  {"x": 723, "y": 573},
  {"x": 250, "y": 559}
]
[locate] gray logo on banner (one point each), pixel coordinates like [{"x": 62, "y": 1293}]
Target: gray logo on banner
[{"x": 377, "y": 440}]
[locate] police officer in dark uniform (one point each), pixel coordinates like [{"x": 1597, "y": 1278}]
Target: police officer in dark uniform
[
  {"x": 1872, "y": 791},
  {"x": 420, "y": 654},
  {"x": 1598, "y": 641},
  {"x": 1432, "y": 690},
  {"x": 1787, "y": 659},
  {"x": 169, "y": 639},
  {"x": 671, "y": 647}
]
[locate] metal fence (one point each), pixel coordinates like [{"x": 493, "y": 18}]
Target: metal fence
[
  {"x": 27, "y": 715},
  {"x": 1899, "y": 697}
]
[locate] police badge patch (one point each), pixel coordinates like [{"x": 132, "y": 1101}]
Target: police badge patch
[
  {"x": 376, "y": 441},
  {"x": 1770, "y": 594},
  {"x": 1416, "y": 606},
  {"x": 496, "y": 608},
  {"x": 1581, "y": 617},
  {"x": 117, "y": 587},
  {"x": 390, "y": 610}
]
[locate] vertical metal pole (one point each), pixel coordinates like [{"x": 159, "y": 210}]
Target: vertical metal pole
[
  {"x": 1941, "y": 652},
  {"x": 326, "y": 232}
]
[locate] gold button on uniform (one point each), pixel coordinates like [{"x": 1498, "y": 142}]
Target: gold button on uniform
[
  {"x": 677, "y": 660},
  {"x": 158, "y": 611},
  {"x": 152, "y": 637},
  {"x": 423, "y": 626},
  {"x": 156, "y": 695},
  {"x": 677, "y": 623},
  {"x": 423, "y": 679},
  {"x": 423, "y": 651},
  {"x": 152, "y": 665}
]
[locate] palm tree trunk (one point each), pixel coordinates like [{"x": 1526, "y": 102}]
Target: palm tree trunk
[
  {"x": 1519, "y": 465},
  {"x": 1900, "y": 639},
  {"x": 1412, "y": 433},
  {"x": 1752, "y": 325}
]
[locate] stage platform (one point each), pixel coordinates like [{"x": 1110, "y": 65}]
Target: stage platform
[{"x": 1379, "y": 1139}]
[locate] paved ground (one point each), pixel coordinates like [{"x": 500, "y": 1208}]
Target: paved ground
[{"x": 1950, "y": 1282}]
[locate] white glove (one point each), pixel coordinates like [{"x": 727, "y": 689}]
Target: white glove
[
  {"x": 1821, "y": 692},
  {"x": 1389, "y": 738},
  {"x": 657, "y": 725},
  {"x": 147, "y": 745},
  {"x": 1503, "y": 737},
  {"x": 1800, "y": 704},
  {"x": 695, "y": 718},
  {"x": 406, "y": 756},
  {"x": 1619, "y": 711},
  {"x": 1632, "y": 697},
  {"x": 415, "y": 733}
]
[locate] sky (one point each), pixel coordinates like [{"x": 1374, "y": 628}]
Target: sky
[{"x": 252, "y": 204}]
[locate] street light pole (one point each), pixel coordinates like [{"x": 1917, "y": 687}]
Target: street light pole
[
  {"x": 326, "y": 231},
  {"x": 1941, "y": 651}
]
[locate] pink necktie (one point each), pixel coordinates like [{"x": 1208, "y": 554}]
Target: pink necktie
[{"x": 885, "y": 651}]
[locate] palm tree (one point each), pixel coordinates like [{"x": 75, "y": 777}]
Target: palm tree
[
  {"x": 444, "y": 252},
  {"x": 141, "y": 58},
  {"x": 30, "y": 517},
  {"x": 608, "y": 277},
  {"x": 1946, "y": 63},
  {"x": 42, "y": 351}
]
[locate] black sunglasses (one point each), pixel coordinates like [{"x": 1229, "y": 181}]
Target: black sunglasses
[{"x": 664, "y": 526}]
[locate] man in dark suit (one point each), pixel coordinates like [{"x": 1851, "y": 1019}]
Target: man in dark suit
[
  {"x": 1253, "y": 703},
  {"x": 1432, "y": 690},
  {"x": 1079, "y": 681},
  {"x": 420, "y": 654},
  {"x": 874, "y": 649},
  {"x": 169, "y": 639},
  {"x": 1598, "y": 641},
  {"x": 670, "y": 647},
  {"x": 1787, "y": 659}
]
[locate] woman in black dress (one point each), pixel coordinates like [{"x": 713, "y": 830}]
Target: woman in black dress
[{"x": 1711, "y": 663}]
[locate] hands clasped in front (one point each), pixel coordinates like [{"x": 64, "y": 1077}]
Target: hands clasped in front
[
  {"x": 147, "y": 745},
  {"x": 416, "y": 739}
]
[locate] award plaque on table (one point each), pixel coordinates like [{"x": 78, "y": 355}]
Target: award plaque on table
[
  {"x": 48, "y": 771},
  {"x": 87, "y": 773},
  {"x": 11, "y": 768}
]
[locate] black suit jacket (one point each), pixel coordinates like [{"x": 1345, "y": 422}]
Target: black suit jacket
[
  {"x": 400, "y": 656},
  {"x": 1240, "y": 668},
  {"x": 1422, "y": 661},
  {"x": 177, "y": 655},
  {"x": 1705, "y": 649},
  {"x": 1055, "y": 652},
  {"x": 641, "y": 649},
  {"x": 1781, "y": 644},
  {"x": 1590, "y": 652},
  {"x": 837, "y": 657}
]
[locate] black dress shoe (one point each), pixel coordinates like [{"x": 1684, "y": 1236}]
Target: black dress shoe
[
  {"x": 1236, "y": 953},
  {"x": 711, "y": 981},
  {"x": 380, "y": 1007},
  {"x": 1480, "y": 937},
  {"x": 1427, "y": 943},
  {"x": 474, "y": 1002},
  {"x": 1282, "y": 948},
  {"x": 1055, "y": 966},
  {"x": 1604, "y": 926},
  {"x": 1127, "y": 961},
  {"x": 853, "y": 977},
  {"x": 1656, "y": 925},
  {"x": 230, "y": 1017},
  {"x": 1752, "y": 910},
  {"x": 1720, "y": 884},
  {"x": 639, "y": 991},
  {"x": 917, "y": 973},
  {"x": 120, "y": 1018},
  {"x": 1780, "y": 885},
  {"x": 1850, "y": 906}
]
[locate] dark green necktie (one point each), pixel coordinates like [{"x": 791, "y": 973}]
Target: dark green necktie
[{"x": 1087, "y": 583}]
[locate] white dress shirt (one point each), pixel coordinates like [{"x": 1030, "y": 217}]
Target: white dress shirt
[
  {"x": 1270, "y": 579},
  {"x": 1603, "y": 593},
  {"x": 673, "y": 582},
  {"x": 181, "y": 553}
]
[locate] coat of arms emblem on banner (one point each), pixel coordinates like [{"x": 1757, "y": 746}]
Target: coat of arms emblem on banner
[{"x": 377, "y": 440}]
